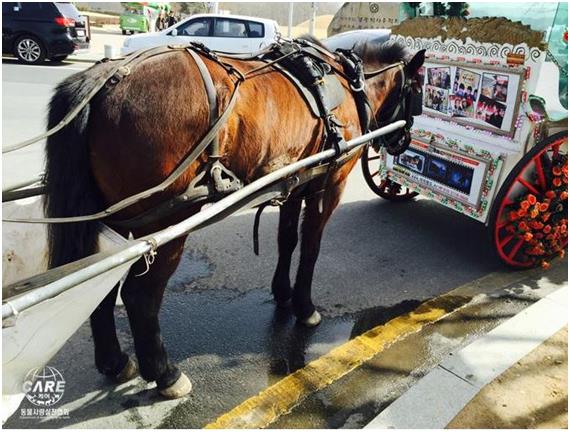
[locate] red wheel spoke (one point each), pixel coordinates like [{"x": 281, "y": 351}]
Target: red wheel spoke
[
  {"x": 540, "y": 172},
  {"x": 502, "y": 224},
  {"x": 515, "y": 249},
  {"x": 527, "y": 185},
  {"x": 506, "y": 240}
]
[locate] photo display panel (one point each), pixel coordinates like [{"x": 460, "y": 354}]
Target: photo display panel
[
  {"x": 486, "y": 97},
  {"x": 452, "y": 174}
]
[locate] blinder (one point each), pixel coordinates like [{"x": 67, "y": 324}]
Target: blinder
[{"x": 410, "y": 105}]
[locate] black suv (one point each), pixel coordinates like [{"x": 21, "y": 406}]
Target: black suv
[{"x": 34, "y": 32}]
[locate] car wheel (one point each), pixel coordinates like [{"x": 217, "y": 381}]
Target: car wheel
[
  {"x": 30, "y": 50},
  {"x": 124, "y": 32},
  {"x": 58, "y": 58}
]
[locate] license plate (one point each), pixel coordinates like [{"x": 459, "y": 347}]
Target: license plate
[{"x": 80, "y": 32}]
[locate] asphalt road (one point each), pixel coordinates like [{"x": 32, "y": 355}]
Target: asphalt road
[{"x": 378, "y": 260}]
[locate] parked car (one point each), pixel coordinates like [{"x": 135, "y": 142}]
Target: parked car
[
  {"x": 35, "y": 31},
  {"x": 226, "y": 33},
  {"x": 133, "y": 21}
]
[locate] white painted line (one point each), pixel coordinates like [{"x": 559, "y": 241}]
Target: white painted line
[{"x": 439, "y": 396}]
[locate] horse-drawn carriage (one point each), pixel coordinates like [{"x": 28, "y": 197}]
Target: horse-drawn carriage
[
  {"x": 492, "y": 140},
  {"x": 41, "y": 309}
]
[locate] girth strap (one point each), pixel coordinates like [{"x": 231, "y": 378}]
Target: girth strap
[{"x": 211, "y": 93}]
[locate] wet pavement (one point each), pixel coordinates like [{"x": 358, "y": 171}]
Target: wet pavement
[{"x": 378, "y": 260}]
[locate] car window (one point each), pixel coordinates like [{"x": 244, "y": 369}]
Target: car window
[
  {"x": 197, "y": 27},
  {"x": 255, "y": 29},
  {"x": 68, "y": 10},
  {"x": 230, "y": 28},
  {"x": 35, "y": 9}
]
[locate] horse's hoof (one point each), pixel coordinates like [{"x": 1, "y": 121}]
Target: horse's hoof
[
  {"x": 312, "y": 321},
  {"x": 180, "y": 388},
  {"x": 128, "y": 373}
]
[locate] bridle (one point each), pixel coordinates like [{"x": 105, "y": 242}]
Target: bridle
[{"x": 409, "y": 105}]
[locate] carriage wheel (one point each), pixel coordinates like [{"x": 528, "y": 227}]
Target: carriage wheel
[
  {"x": 529, "y": 219},
  {"x": 383, "y": 187}
]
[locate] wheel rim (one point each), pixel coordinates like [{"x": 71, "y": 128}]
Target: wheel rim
[
  {"x": 29, "y": 50},
  {"x": 383, "y": 187},
  {"x": 521, "y": 235}
]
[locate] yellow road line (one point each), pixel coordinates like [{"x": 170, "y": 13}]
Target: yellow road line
[{"x": 265, "y": 408}]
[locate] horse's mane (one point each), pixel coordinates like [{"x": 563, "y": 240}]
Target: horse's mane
[
  {"x": 381, "y": 52},
  {"x": 377, "y": 52}
]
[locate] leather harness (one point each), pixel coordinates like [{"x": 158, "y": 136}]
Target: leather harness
[{"x": 303, "y": 63}]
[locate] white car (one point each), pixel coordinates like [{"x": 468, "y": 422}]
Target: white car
[{"x": 226, "y": 33}]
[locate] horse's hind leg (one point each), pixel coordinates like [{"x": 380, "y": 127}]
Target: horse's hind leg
[
  {"x": 142, "y": 297},
  {"x": 109, "y": 358},
  {"x": 287, "y": 239},
  {"x": 313, "y": 225}
]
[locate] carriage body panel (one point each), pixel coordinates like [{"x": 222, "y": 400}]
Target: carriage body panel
[{"x": 35, "y": 335}]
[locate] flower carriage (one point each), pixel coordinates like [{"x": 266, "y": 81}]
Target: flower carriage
[{"x": 492, "y": 140}]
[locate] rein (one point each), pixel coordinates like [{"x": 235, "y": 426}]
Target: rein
[{"x": 123, "y": 69}]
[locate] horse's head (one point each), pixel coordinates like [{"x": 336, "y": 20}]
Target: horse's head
[{"x": 394, "y": 89}]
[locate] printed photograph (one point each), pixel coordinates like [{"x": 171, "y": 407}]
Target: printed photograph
[
  {"x": 439, "y": 77},
  {"x": 413, "y": 161},
  {"x": 437, "y": 169},
  {"x": 460, "y": 178},
  {"x": 465, "y": 92},
  {"x": 436, "y": 99},
  {"x": 461, "y": 106},
  {"x": 490, "y": 111},
  {"x": 495, "y": 87}
]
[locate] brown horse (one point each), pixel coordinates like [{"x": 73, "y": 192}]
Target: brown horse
[{"x": 134, "y": 133}]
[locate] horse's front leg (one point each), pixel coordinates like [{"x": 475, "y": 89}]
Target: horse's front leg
[
  {"x": 109, "y": 358},
  {"x": 314, "y": 223},
  {"x": 287, "y": 239},
  {"x": 142, "y": 296}
]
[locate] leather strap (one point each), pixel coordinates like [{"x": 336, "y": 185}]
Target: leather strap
[{"x": 188, "y": 160}]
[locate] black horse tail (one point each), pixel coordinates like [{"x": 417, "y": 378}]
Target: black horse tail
[{"x": 71, "y": 189}]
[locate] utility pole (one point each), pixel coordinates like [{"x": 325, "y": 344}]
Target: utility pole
[
  {"x": 313, "y": 18},
  {"x": 290, "y": 21}
]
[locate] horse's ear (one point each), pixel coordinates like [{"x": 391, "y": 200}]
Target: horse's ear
[{"x": 416, "y": 62}]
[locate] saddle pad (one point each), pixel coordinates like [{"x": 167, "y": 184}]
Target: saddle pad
[{"x": 333, "y": 91}]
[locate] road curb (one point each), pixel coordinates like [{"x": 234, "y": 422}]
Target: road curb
[{"x": 440, "y": 395}]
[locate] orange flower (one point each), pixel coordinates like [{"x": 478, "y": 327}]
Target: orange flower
[
  {"x": 547, "y": 229},
  {"x": 564, "y": 195},
  {"x": 556, "y": 171},
  {"x": 513, "y": 216},
  {"x": 550, "y": 194},
  {"x": 563, "y": 229},
  {"x": 525, "y": 205},
  {"x": 534, "y": 214},
  {"x": 521, "y": 213},
  {"x": 528, "y": 236},
  {"x": 545, "y": 216},
  {"x": 543, "y": 207},
  {"x": 561, "y": 253},
  {"x": 545, "y": 265},
  {"x": 531, "y": 199},
  {"x": 557, "y": 182}
]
